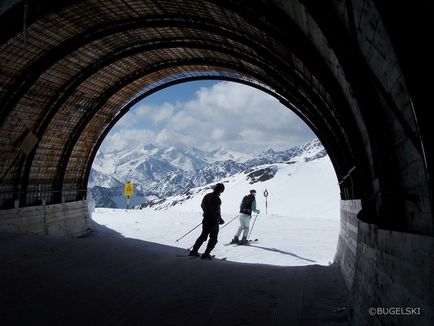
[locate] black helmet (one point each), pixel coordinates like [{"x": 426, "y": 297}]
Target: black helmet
[
  {"x": 253, "y": 192},
  {"x": 219, "y": 187}
]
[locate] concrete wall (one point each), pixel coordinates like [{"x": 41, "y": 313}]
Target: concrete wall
[
  {"x": 386, "y": 271},
  {"x": 393, "y": 269},
  {"x": 66, "y": 219},
  {"x": 347, "y": 245}
]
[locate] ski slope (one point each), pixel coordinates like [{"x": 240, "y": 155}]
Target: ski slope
[{"x": 300, "y": 227}]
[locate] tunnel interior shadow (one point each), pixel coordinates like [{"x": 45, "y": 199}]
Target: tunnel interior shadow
[{"x": 106, "y": 278}]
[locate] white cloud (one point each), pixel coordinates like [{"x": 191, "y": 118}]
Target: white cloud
[
  {"x": 230, "y": 115},
  {"x": 245, "y": 116},
  {"x": 164, "y": 113},
  {"x": 168, "y": 137},
  {"x": 148, "y": 115},
  {"x": 217, "y": 134},
  {"x": 127, "y": 139}
]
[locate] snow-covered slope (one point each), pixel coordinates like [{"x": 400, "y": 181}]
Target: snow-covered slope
[
  {"x": 181, "y": 181},
  {"x": 297, "y": 225},
  {"x": 300, "y": 226},
  {"x": 288, "y": 186}
]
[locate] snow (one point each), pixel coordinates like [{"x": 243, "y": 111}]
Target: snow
[{"x": 300, "y": 226}]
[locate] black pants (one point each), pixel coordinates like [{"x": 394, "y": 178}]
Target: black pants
[{"x": 211, "y": 229}]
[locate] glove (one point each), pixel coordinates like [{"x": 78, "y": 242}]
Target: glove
[
  {"x": 221, "y": 221},
  {"x": 258, "y": 211}
]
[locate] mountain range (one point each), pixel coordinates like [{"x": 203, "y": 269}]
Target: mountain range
[{"x": 158, "y": 173}]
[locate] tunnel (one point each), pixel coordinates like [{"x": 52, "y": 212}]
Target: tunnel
[{"x": 351, "y": 70}]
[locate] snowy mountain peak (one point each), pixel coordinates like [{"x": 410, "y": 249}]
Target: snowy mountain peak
[
  {"x": 288, "y": 186},
  {"x": 268, "y": 151},
  {"x": 150, "y": 147},
  {"x": 220, "y": 154},
  {"x": 163, "y": 172},
  {"x": 309, "y": 151}
]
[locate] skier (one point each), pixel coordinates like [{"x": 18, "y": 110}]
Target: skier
[
  {"x": 211, "y": 203},
  {"x": 248, "y": 205}
]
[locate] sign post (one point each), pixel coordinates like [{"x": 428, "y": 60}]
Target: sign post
[
  {"x": 128, "y": 191},
  {"x": 266, "y": 204}
]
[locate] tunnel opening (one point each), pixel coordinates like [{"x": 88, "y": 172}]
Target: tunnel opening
[{"x": 219, "y": 132}]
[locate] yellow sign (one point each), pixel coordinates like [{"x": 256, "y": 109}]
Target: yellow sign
[{"x": 128, "y": 189}]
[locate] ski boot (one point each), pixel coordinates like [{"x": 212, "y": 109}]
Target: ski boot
[
  {"x": 206, "y": 256},
  {"x": 193, "y": 253}
]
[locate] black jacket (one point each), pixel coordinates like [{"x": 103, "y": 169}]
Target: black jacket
[
  {"x": 211, "y": 208},
  {"x": 246, "y": 204}
]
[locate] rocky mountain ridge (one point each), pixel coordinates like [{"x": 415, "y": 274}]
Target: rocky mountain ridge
[{"x": 162, "y": 172}]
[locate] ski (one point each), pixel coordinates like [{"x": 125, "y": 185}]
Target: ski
[
  {"x": 217, "y": 258},
  {"x": 238, "y": 244},
  {"x": 187, "y": 256},
  {"x": 198, "y": 257}
]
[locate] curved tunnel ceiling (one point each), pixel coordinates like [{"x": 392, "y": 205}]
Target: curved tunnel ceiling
[
  {"x": 76, "y": 67},
  {"x": 71, "y": 83}
]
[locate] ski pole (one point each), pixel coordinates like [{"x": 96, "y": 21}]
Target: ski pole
[
  {"x": 228, "y": 222},
  {"x": 201, "y": 223},
  {"x": 189, "y": 231},
  {"x": 252, "y": 226},
  {"x": 213, "y": 229}
]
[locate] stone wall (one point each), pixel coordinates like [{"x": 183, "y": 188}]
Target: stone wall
[
  {"x": 65, "y": 219},
  {"x": 394, "y": 271},
  {"x": 347, "y": 244},
  {"x": 388, "y": 271}
]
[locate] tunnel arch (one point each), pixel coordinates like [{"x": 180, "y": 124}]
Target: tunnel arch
[
  {"x": 70, "y": 70},
  {"x": 168, "y": 84},
  {"x": 251, "y": 59}
]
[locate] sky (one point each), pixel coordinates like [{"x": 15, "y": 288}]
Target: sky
[{"x": 209, "y": 115}]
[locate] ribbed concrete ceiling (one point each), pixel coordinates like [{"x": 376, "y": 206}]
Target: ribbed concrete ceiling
[
  {"x": 70, "y": 70},
  {"x": 71, "y": 74}
]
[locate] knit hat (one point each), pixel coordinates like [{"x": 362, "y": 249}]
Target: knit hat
[{"x": 219, "y": 187}]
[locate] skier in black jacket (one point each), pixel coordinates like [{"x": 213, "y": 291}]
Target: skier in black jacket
[{"x": 211, "y": 203}]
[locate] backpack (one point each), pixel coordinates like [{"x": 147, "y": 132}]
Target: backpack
[{"x": 246, "y": 204}]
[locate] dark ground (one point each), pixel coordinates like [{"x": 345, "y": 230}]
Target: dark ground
[{"x": 105, "y": 279}]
